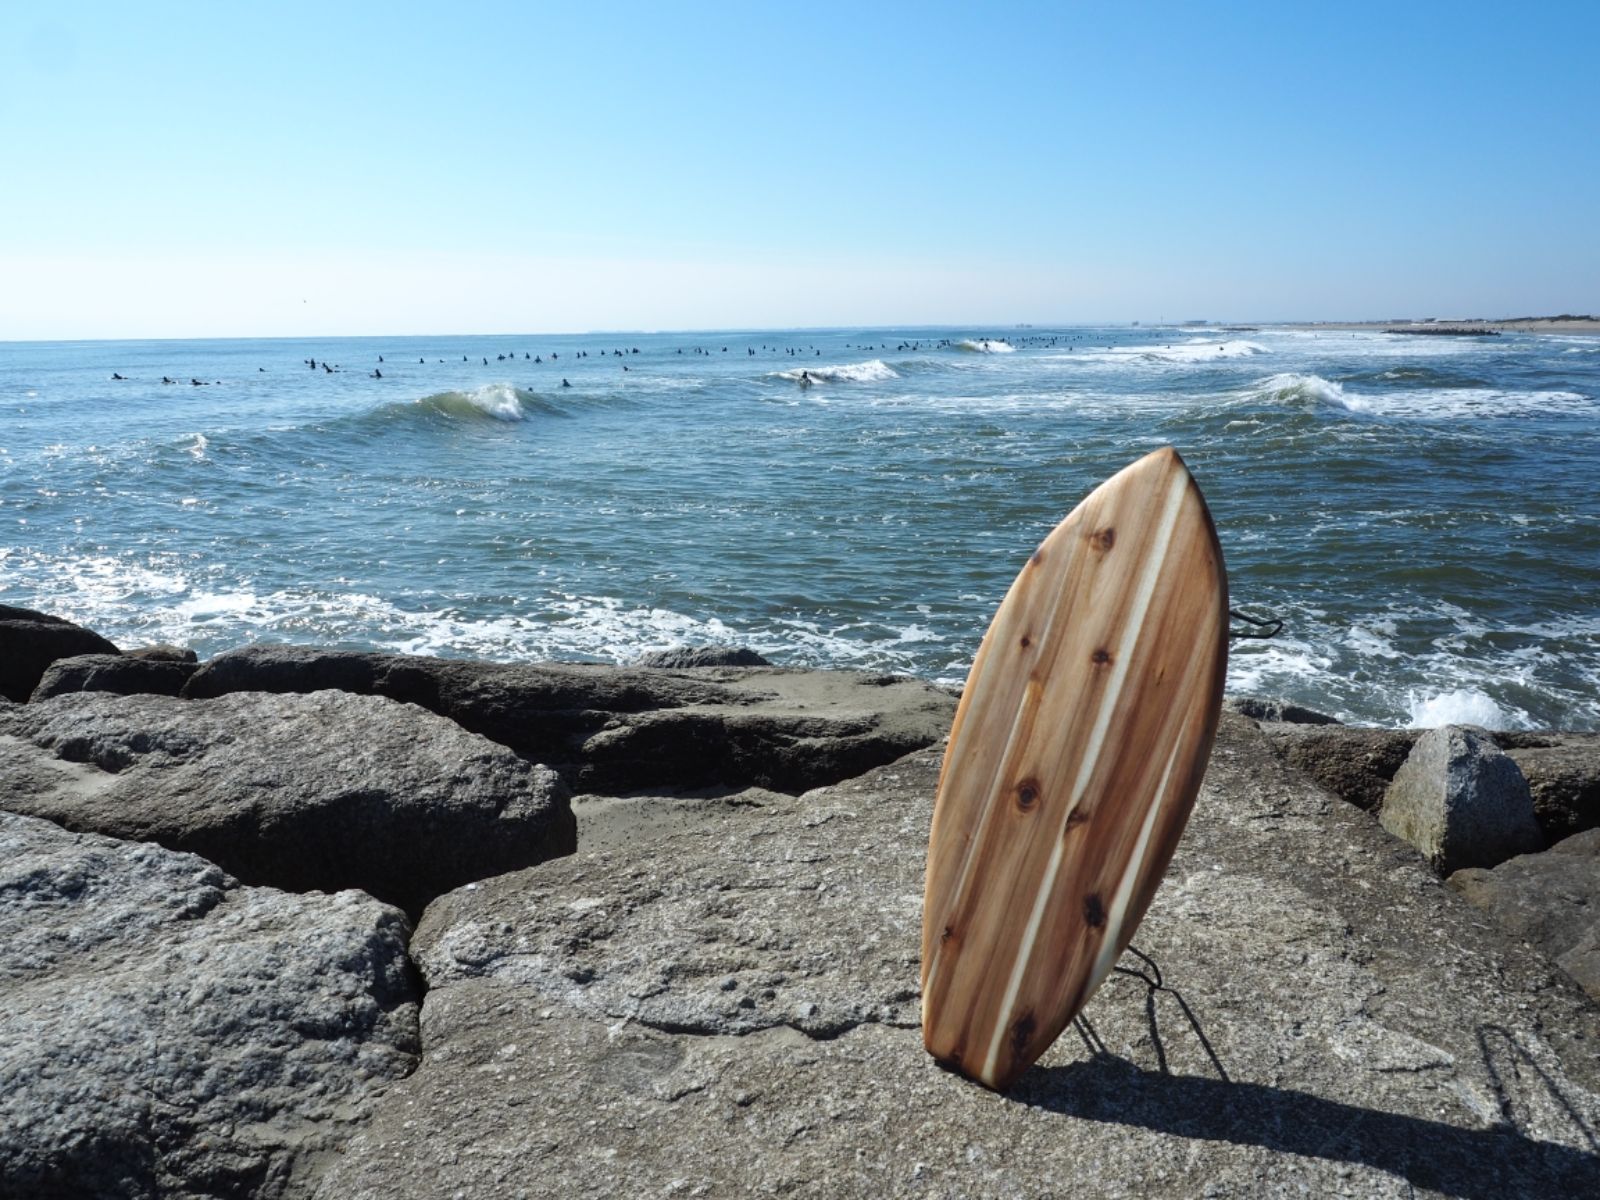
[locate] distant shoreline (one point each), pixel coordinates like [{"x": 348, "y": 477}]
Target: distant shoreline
[{"x": 1561, "y": 324}]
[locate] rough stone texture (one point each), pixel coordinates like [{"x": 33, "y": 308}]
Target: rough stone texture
[
  {"x": 167, "y": 1032},
  {"x": 1461, "y": 802},
  {"x": 1357, "y": 765},
  {"x": 163, "y": 652},
  {"x": 612, "y": 729},
  {"x": 324, "y": 791},
  {"x": 728, "y": 1007},
  {"x": 1563, "y": 774},
  {"x": 30, "y": 641},
  {"x": 702, "y": 656},
  {"x": 124, "y": 674},
  {"x": 1281, "y": 711},
  {"x": 1549, "y": 900}
]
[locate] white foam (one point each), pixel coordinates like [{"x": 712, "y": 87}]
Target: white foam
[
  {"x": 986, "y": 346},
  {"x": 1291, "y": 387},
  {"x": 873, "y": 371},
  {"x": 1195, "y": 350},
  {"x": 498, "y": 400},
  {"x": 198, "y": 448},
  {"x": 1463, "y": 706}
]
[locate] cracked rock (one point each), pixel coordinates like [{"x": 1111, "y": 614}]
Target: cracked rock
[
  {"x": 317, "y": 792},
  {"x": 167, "y": 1032}
]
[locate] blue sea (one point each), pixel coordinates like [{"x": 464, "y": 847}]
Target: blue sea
[{"x": 1423, "y": 513}]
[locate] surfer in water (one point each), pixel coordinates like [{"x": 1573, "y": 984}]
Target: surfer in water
[
  {"x": 564, "y": 383},
  {"x": 805, "y": 379}
]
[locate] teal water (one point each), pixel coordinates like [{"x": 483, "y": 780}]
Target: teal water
[{"x": 1423, "y": 512}]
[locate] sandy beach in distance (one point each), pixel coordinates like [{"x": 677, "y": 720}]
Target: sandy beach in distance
[{"x": 1561, "y": 324}]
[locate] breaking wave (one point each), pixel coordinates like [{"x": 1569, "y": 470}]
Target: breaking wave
[
  {"x": 499, "y": 401},
  {"x": 873, "y": 371},
  {"x": 1293, "y": 390}
]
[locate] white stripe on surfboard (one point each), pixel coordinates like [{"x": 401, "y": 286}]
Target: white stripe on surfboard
[
  {"x": 1091, "y": 758},
  {"x": 1118, "y": 911},
  {"x": 983, "y": 823}
]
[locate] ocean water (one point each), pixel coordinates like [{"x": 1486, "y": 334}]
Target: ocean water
[{"x": 1422, "y": 512}]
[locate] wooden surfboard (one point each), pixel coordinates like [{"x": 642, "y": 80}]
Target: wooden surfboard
[{"x": 1075, "y": 757}]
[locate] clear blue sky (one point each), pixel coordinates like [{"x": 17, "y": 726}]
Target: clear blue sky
[{"x": 215, "y": 169}]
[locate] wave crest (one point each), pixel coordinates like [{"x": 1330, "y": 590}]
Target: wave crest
[
  {"x": 499, "y": 401},
  {"x": 1296, "y": 390},
  {"x": 872, "y": 371},
  {"x": 985, "y": 346}
]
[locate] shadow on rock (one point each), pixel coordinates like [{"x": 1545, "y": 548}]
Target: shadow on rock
[{"x": 1487, "y": 1163}]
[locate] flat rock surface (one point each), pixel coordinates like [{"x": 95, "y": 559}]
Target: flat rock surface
[
  {"x": 618, "y": 729},
  {"x": 168, "y": 1032},
  {"x": 1550, "y": 900},
  {"x": 726, "y": 1005},
  {"x": 323, "y": 791}
]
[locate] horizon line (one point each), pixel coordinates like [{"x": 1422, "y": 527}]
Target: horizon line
[{"x": 1194, "y": 323}]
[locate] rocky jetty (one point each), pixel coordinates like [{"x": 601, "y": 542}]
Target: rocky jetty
[
  {"x": 698, "y": 974},
  {"x": 621, "y": 729}
]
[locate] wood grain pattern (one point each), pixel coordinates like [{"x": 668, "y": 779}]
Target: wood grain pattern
[{"x": 1075, "y": 757}]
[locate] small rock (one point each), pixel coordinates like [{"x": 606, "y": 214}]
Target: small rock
[
  {"x": 1260, "y": 709},
  {"x": 162, "y": 652},
  {"x": 682, "y": 657},
  {"x": 1461, "y": 801}
]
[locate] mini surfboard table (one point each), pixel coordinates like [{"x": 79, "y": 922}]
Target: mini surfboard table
[{"x": 1075, "y": 757}]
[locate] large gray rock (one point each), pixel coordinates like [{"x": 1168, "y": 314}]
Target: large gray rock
[
  {"x": 1355, "y": 764},
  {"x": 1549, "y": 900},
  {"x": 1563, "y": 774},
  {"x": 30, "y": 641},
  {"x": 1461, "y": 802},
  {"x": 728, "y": 1006},
  {"x": 166, "y": 1032},
  {"x": 614, "y": 729},
  {"x": 323, "y": 791},
  {"x": 124, "y": 674}
]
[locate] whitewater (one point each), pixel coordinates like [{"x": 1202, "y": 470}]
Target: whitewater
[{"x": 1423, "y": 513}]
